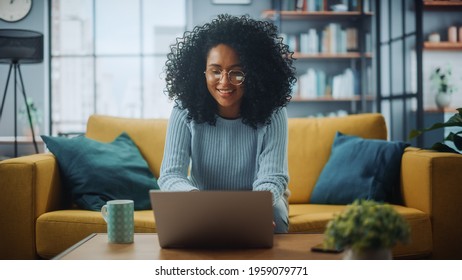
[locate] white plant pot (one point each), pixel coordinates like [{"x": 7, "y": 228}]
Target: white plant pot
[
  {"x": 442, "y": 100},
  {"x": 368, "y": 254},
  {"x": 28, "y": 133}
]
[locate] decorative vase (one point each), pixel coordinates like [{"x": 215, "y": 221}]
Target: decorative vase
[
  {"x": 368, "y": 254},
  {"x": 442, "y": 100}
]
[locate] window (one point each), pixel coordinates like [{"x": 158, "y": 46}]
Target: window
[{"x": 107, "y": 57}]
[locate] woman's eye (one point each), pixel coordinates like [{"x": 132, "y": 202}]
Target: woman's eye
[
  {"x": 216, "y": 73},
  {"x": 237, "y": 75}
]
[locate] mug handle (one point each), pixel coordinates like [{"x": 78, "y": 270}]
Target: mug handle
[{"x": 104, "y": 212}]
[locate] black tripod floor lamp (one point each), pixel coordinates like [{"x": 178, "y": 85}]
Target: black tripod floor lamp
[{"x": 19, "y": 47}]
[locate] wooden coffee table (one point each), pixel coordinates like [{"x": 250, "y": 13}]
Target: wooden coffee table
[{"x": 146, "y": 247}]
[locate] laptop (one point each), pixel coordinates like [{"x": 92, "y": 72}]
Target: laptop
[{"x": 213, "y": 219}]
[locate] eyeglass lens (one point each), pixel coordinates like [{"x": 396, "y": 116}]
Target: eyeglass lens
[{"x": 235, "y": 77}]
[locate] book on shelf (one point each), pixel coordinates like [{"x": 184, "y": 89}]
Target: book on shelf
[
  {"x": 333, "y": 39},
  {"x": 366, "y": 6},
  {"x": 288, "y": 5},
  {"x": 300, "y": 5},
  {"x": 353, "y": 5},
  {"x": 321, "y": 82},
  {"x": 308, "y": 84},
  {"x": 369, "y": 79},
  {"x": 351, "y": 39},
  {"x": 319, "y": 5},
  {"x": 309, "y": 42},
  {"x": 311, "y": 6},
  {"x": 336, "y": 40},
  {"x": 316, "y": 84},
  {"x": 368, "y": 40},
  {"x": 343, "y": 85}
]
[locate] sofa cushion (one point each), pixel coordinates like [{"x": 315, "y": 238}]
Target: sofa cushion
[
  {"x": 58, "y": 230},
  {"x": 95, "y": 172},
  {"x": 360, "y": 169}
]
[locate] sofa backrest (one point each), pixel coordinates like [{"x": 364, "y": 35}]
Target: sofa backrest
[
  {"x": 310, "y": 142},
  {"x": 148, "y": 135}
]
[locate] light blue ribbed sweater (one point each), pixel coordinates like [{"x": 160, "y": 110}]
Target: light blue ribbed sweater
[{"x": 228, "y": 156}]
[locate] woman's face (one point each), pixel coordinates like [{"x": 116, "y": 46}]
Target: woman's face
[{"x": 228, "y": 96}]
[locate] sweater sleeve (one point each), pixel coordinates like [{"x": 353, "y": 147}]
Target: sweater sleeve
[
  {"x": 272, "y": 172},
  {"x": 177, "y": 151}
]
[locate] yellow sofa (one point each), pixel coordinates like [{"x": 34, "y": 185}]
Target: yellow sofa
[{"x": 35, "y": 223}]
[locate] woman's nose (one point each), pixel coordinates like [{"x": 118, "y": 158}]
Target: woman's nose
[{"x": 224, "y": 78}]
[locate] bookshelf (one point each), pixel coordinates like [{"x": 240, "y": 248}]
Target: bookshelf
[
  {"x": 437, "y": 17},
  {"x": 312, "y": 15},
  {"x": 442, "y": 46},
  {"x": 333, "y": 49},
  {"x": 331, "y": 99},
  {"x": 349, "y": 55},
  {"x": 442, "y": 7},
  {"x": 439, "y": 4}
]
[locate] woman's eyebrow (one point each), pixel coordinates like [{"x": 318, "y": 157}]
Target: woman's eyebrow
[{"x": 232, "y": 66}]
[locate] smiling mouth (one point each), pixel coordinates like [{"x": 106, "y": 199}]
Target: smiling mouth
[{"x": 225, "y": 91}]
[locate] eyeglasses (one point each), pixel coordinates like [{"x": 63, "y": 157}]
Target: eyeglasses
[{"x": 235, "y": 77}]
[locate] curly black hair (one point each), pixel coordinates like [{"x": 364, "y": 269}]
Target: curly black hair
[{"x": 265, "y": 59}]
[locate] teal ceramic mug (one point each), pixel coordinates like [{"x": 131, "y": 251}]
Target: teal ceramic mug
[{"x": 118, "y": 215}]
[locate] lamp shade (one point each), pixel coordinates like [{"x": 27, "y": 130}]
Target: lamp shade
[{"x": 20, "y": 46}]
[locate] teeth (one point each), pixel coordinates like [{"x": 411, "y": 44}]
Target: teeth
[{"x": 225, "y": 90}]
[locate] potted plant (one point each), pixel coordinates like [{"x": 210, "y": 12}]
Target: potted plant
[
  {"x": 455, "y": 138},
  {"x": 441, "y": 79},
  {"x": 366, "y": 230},
  {"x": 35, "y": 116}
]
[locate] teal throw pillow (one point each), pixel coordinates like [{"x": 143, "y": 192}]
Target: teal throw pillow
[
  {"x": 94, "y": 172},
  {"x": 360, "y": 169}
]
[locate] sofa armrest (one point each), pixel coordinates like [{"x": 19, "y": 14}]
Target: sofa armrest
[
  {"x": 431, "y": 182},
  {"x": 30, "y": 186}
]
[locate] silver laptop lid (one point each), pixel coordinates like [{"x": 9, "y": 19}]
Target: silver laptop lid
[{"x": 213, "y": 219}]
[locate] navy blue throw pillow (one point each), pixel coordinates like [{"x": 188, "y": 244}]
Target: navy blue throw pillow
[{"x": 360, "y": 169}]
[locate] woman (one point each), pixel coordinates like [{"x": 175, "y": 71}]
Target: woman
[{"x": 230, "y": 79}]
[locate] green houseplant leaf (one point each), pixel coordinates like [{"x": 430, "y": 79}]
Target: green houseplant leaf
[
  {"x": 441, "y": 147},
  {"x": 454, "y": 121},
  {"x": 454, "y": 137}
]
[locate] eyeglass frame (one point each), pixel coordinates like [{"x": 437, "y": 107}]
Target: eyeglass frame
[{"x": 227, "y": 75}]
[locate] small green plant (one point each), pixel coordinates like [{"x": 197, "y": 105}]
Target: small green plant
[
  {"x": 366, "y": 224},
  {"x": 35, "y": 113},
  {"x": 442, "y": 80},
  {"x": 456, "y": 138}
]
